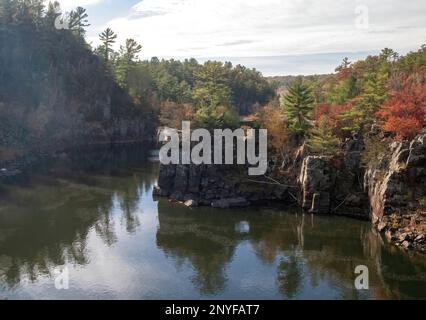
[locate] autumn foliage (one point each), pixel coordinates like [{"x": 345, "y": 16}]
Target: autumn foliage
[
  {"x": 405, "y": 111},
  {"x": 332, "y": 113},
  {"x": 272, "y": 119}
]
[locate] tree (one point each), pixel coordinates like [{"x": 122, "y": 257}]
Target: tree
[
  {"x": 298, "y": 105},
  {"x": 128, "y": 54},
  {"x": 172, "y": 114},
  {"x": 322, "y": 140},
  {"x": 211, "y": 117},
  {"x": 131, "y": 50},
  {"x": 405, "y": 112},
  {"x": 212, "y": 85},
  {"x": 108, "y": 38},
  {"x": 333, "y": 114},
  {"x": 78, "y": 21},
  {"x": 344, "y": 65},
  {"x": 272, "y": 119}
]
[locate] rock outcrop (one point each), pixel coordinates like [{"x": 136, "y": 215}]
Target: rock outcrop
[
  {"x": 397, "y": 191},
  {"x": 316, "y": 180},
  {"x": 332, "y": 185},
  {"x": 222, "y": 186},
  {"x": 392, "y": 193}
]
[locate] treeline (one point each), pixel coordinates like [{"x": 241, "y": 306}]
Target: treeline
[
  {"x": 56, "y": 90},
  {"x": 387, "y": 91},
  {"x": 212, "y": 94}
]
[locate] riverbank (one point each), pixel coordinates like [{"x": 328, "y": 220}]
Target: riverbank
[{"x": 390, "y": 192}]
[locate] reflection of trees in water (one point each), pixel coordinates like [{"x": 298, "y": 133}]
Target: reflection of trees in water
[
  {"x": 48, "y": 217},
  {"x": 306, "y": 249},
  {"x": 290, "y": 275},
  {"x": 205, "y": 239},
  {"x": 105, "y": 224}
]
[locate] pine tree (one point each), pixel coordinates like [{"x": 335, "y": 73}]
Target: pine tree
[
  {"x": 212, "y": 85},
  {"x": 131, "y": 50},
  {"x": 108, "y": 38},
  {"x": 78, "y": 21},
  {"x": 128, "y": 55},
  {"x": 298, "y": 106}
]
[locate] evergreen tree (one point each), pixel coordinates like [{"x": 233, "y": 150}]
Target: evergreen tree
[
  {"x": 344, "y": 65},
  {"x": 212, "y": 85},
  {"x": 128, "y": 55},
  {"x": 131, "y": 50},
  {"x": 78, "y": 21},
  {"x": 108, "y": 38},
  {"x": 298, "y": 106}
]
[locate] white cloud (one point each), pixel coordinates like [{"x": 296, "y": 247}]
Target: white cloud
[
  {"x": 71, "y": 4},
  {"x": 247, "y": 28}
]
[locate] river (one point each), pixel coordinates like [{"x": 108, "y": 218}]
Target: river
[{"x": 86, "y": 226}]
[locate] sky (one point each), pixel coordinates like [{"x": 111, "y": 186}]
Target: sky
[{"x": 277, "y": 37}]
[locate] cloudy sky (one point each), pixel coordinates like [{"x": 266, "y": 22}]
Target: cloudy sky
[{"x": 275, "y": 36}]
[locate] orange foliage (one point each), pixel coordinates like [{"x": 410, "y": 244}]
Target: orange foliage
[
  {"x": 272, "y": 119},
  {"x": 345, "y": 73},
  {"x": 172, "y": 114},
  {"x": 404, "y": 113},
  {"x": 332, "y": 114}
]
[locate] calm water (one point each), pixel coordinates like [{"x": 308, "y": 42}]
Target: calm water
[{"x": 95, "y": 214}]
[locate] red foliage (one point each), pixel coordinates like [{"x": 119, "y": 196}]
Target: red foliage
[
  {"x": 332, "y": 113},
  {"x": 404, "y": 113},
  {"x": 345, "y": 73}
]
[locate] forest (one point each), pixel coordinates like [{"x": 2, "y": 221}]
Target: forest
[
  {"x": 384, "y": 93},
  {"x": 57, "y": 90}
]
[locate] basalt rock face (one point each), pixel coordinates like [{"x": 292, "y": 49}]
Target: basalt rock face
[
  {"x": 332, "y": 184},
  {"x": 221, "y": 186},
  {"x": 327, "y": 189},
  {"x": 397, "y": 191},
  {"x": 316, "y": 180},
  {"x": 392, "y": 194}
]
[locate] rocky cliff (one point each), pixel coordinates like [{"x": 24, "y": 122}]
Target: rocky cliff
[
  {"x": 397, "y": 192},
  {"x": 334, "y": 184},
  {"x": 221, "y": 186},
  {"x": 391, "y": 193}
]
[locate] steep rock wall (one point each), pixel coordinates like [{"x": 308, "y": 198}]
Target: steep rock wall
[{"x": 397, "y": 191}]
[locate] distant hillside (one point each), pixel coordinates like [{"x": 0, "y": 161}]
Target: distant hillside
[{"x": 282, "y": 82}]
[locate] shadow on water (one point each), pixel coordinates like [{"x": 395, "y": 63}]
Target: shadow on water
[{"x": 55, "y": 215}]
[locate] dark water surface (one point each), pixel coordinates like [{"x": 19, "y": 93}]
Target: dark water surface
[{"x": 94, "y": 213}]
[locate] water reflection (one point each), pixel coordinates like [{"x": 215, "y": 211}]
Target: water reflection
[{"x": 62, "y": 213}]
